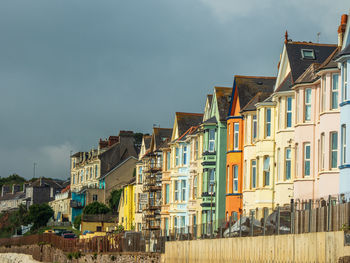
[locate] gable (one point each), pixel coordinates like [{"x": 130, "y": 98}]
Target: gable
[{"x": 284, "y": 68}]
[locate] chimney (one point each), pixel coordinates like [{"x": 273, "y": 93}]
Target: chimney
[
  {"x": 113, "y": 140},
  {"x": 16, "y": 188},
  {"x": 286, "y": 37},
  {"x": 341, "y": 29},
  {"x": 5, "y": 190},
  {"x": 25, "y": 185},
  {"x": 102, "y": 144}
]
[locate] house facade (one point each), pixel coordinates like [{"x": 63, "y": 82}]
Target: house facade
[
  {"x": 126, "y": 209},
  {"x": 246, "y": 89},
  {"x": 214, "y": 158}
]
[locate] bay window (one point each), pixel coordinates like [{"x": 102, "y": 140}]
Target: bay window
[
  {"x": 253, "y": 172},
  {"x": 235, "y": 178},
  {"x": 236, "y": 136},
  {"x": 307, "y": 159},
  {"x": 307, "y": 111},
  {"x": 289, "y": 112},
  {"x": 334, "y": 149},
  {"x": 334, "y": 102},
  {"x": 268, "y": 123},
  {"x": 266, "y": 171},
  {"x": 254, "y": 128},
  {"x": 288, "y": 163},
  {"x": 343, "y": 143},
  {"x": 211, "y": 140}
]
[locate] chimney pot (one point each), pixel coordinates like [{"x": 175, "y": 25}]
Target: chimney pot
[{"x": 341, "y": 29}]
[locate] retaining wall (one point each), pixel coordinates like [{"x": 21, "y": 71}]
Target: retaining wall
[{"x": 311, "y": 247}]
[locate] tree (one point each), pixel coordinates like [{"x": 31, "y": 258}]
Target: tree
[
  {"x": 114, "y": 199},
  {"x": 77, "y": 222},
  {"x": 96, "y": 208},
  {"x": 39, "y": 214}
]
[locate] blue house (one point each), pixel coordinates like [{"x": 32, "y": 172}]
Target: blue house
[{"x": 343, "y": 59}]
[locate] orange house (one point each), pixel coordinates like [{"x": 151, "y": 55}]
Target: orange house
[{"x": 245, "y": 88}]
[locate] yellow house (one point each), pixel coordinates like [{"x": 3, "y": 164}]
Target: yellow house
[
  {"x": 126, "y": 209},
  {"x": 97, "y": 223}
]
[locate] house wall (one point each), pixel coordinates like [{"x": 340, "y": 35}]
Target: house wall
[
  {"x": 127, "y": 208},
  {"x": 92, "y": 226}
]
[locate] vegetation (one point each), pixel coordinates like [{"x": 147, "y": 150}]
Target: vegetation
[
  {"x": 114, "y": 199},
  {"x": 12, "y": 179},
  {"x": 96, "y": 208},
  {"x": 39, "y": 215},
  {"x": 77, "y": 222},
  {"x": 138, "y": 138}
]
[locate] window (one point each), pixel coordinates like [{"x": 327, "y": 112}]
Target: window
[
  {"x": 73, "y": 178},
  {"x": 184, "y": 155},
  {"x": 253, "y": 164},
  {"x": 166, "y": 224},
  {"x": 322, "y": 151},
  {"x": 196, "y": 150},
  {"x": 334, "y": 103},
  {"x": 268, "y": 123},
  {"x": 168, "y": 160},
  {"x": 236, "y": 136},
  {"x": 323, "y": 97},
  {"x": 307, "y": 155},
  {"x": 288, "y": 161},
  {"x": 96, "y": 171},
  {"x": 235, "y": 178},
  {"x": 99, "y": 229},
  {"x": 289, "y": 112},
  {"x": 211, "y": 181},
  {"x": 266, "y": 171},
  {"x": 343, "y": 143},
  {"x": 91, "y": 172},
  {"x": 228, "y": 180},
  {"x": 177, "y": 156},
  {"x": 94, "y": 198},
  {"x": 140, "y": 174},
  {"x": 307, "y": 116},
  {"x": 345, "y": 81},
  {"x": 254, "y": 128},
  {"x": 296, "y": 159},
  {"x": 307, "y": 54},
  {"x": 167, "y": 193},
  {"x": 229, "y": 137},
  {"x": 183, "y": 190},
  {"x": 195, "y": 183},
  {"x": 296, "y": 107},
  {"x": 278, "y": 157},
  {"x": 175, "y": 222},
  {"x": 177, "y": 189},
  {"x": 334, "y": 149},
  {"x": 211, "y": 140}
]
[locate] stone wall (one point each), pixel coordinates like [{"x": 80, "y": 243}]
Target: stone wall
[{"x": 47, "y": 253}]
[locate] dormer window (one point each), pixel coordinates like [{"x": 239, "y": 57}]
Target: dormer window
[{"x": 308, "y": 54}]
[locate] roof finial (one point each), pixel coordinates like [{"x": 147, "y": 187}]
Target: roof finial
[{"x": 286, "y": 37}]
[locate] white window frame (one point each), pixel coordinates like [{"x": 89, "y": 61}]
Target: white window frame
[
  {"x": 235, "y": 170},
  {"x": 268, "y": 123},
  {"x": 289, "y": 111},
  {"x": 211, "y": 141},
  {"x": 307, "y": 104},
  {"x": 288, "y": 162},
  {"x": 184, "y": 155},
  {"x": 177, "y": 156},
  {"x": 176, "y": 191},
  {"x": 254, "y": 127},
  {"x": 333, "y": 151},
  {"x": 334, "y": 91},
  {"x": 345, "y": 82},
  {"x": 228, "y": 180},
  {"x": 267, "y": 171},
  {"x": 236, "y": 136},
  {"x": 253, "y": 165},
  {"x": 323, "y": 152},
  {"x": 183, "y": 190},
  {"x": 343, "y": 143},
  {"x": 307, "y": 161}
]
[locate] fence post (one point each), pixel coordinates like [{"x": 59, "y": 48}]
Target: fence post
[
  {"x": 310, "y": 215},
  {"x": 329, "y": 214},
  {"x": 278, "y": 220},
  {"x": 252, "y": 223},
  {"x": 265, "y": 218},
  {"x": 240, "y": 226},
  {"x": 292, "y": 216},
  {"x": 229, "y": 226}
]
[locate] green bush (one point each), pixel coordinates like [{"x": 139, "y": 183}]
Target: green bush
[
  {"x": 96, "y": 208},
  {"x": 77, "y": 222}
]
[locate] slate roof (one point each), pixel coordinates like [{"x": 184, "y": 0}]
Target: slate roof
[
  {"x": 259, "y": 97},
  {"x": 223, "y": 98},
  {"x": 161, "y": 136},
  {"x": 47, "y": 182},
  {"x": 248, "y": 88},
  {"x": 187, "y": 120},
  {"x": 211, "y": 120},
  {"x": 15, "y": 196},
  {"x": 286, "y": 83},
  {"x": 344, "y": 52},
  {"x": 309, "y": 75},
  {"x": 192, "y": 130},
  {"x": 147, "y": 139},
  {"x": 329, "y": 62},
  {"x": 297, "y": 64}
]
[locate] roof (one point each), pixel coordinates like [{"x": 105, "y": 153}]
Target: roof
[
  {"x": 147, "y": 139},
  {"x": 344, "y": 52},
  {"x": 11, "y": 196},
  {"x": 46, "y": 182},
  {"x": 210, "y": 98},
  {"x": 309, "y": 74},
  {"x": 187, "y": 120},
  {"x": 192, "y": 130},
  {"x": 211, "y": 120},
  {"x": 286, "y": 83},
  {"x": 259, "y": 97},
  {"x": 329, "y": 62},
  {"x": 298, "y": 64},
  {"x": 161, "y": 136},
  {"x": 223, "y": 99}
]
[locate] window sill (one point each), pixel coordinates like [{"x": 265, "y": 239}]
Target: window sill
[
  {"x": 286, "y": 130},
  {"x": 305, "y": 124},
  {"x": 307, "y": 178}
]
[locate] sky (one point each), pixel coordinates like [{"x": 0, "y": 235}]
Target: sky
[{"x": 75, "y": 71}]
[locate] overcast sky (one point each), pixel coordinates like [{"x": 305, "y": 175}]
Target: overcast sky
[{"x": 74, "y": 71}]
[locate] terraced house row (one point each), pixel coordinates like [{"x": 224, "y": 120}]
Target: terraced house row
[{"x": 254, "y": 147}]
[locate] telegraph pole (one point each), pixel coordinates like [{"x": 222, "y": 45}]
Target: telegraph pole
[{"x": 34, "y": 169}]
